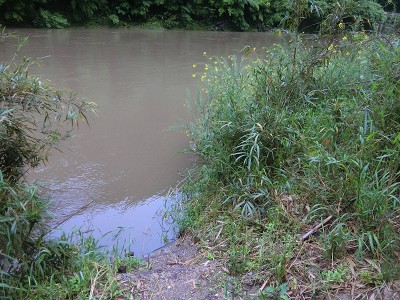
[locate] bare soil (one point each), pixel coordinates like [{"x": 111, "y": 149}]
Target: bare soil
[{"x": 182, "y": 270}]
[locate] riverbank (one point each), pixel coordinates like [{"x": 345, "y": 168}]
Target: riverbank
[
  {"x": 299, "y": 181},
  {"x": 178, "y": 271},
  {"x": 186, "y": 270},
  {"x": 296, "y": 196}
]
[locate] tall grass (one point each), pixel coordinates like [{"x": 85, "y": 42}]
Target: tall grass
[
  {"x": 302, "y": 131},
  {"x": 35, "y": 118},
  {"x": 34, "y": 267}
]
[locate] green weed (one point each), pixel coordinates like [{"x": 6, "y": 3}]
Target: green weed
[
  {"x": 275, "y": 292},
  {"x": 340, "y": 274},
  {"x": 33, "y": 119},
  {"x": 290, "y": 136}
]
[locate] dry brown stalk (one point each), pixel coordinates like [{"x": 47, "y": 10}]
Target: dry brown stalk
[{"x": 316, "y": 228}]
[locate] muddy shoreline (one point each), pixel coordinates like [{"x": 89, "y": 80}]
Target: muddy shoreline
[{"x": 184, "y": 270}]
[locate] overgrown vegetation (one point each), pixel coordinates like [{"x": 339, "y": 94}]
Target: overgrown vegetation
[
  {"x": 305, "y": 134},
  {"x": 217, "y": 14},
  {"x": 34, "y": 118}
]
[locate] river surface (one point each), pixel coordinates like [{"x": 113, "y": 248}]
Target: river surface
[{"x": 114, "y": 176}]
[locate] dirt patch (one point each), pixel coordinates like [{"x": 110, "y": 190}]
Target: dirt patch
[{"x": 181, "y": 270}]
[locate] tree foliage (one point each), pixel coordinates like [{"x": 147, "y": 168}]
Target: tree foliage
[
  {"x": 33, "y": 114},
  {"x": 35, "y": 117},
  {"x": 230, "y": 14}
]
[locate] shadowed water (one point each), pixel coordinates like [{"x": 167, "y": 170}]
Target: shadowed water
[{"x": 116, "y": 173}]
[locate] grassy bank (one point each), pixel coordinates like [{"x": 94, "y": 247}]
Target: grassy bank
[
  {"x": 297, "y": 186},
  {"x": 305, "y": 135}
]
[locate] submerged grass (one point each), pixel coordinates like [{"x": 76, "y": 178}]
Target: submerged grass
[
  {"x": 74, "y": 266},
  {"x": 32, "y": 266},
  {"x": 287, "y": 138}
]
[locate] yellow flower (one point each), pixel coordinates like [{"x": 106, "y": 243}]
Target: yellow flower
[
  {"x": 204, "y": 53},
  {"x": 344, "y": 38},
  {"x": 341, "y": 25},
  {"x": 193, "y": 75},
  {"x": 247, "y": 50},
  {"x": 206, "y": 67},
  {"x": 194, "y": 66},
  {"x": 330, "y": 47}
]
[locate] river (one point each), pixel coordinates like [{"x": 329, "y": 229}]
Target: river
[{"x": 115, "y": 174}]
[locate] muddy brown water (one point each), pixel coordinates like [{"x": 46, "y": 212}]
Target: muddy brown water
[{"x": 116, "y": 173}]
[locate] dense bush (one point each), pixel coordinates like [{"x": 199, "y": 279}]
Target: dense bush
[
  {"x": 35, "y": 117},
  {"x": 50, "y": 20},
  {"x": 305, "y": 131},
  {"x": 22, "y": 12},
  {"x": 33, "y": 114},
  {"x": 221, "y": 14}
]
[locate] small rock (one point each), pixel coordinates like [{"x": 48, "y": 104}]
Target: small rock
[{"x": 121, "y": 269}]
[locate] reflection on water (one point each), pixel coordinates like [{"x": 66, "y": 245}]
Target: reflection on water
[
  {"x": 139, "y": 80},
  {"x": 138, "y": 228}
]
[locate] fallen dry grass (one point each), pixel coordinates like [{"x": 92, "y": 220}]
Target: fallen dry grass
[{"x": 181, "y": 270}]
